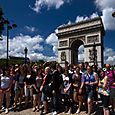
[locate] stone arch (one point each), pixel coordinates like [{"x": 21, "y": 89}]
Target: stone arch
[{"x": 89, "y": 32}]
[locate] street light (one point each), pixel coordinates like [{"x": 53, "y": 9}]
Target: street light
[
  {"x": 113, "y": 14},
  {"x": 8, "y": 27},
  {"x": 25, "y": 50}
]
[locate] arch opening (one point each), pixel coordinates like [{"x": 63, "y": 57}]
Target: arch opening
[{"x": 77, "y": 52}]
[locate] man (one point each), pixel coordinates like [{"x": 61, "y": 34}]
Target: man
[
  {"x": 57, "y": 81},
  {"x": 111, "y": 75}
]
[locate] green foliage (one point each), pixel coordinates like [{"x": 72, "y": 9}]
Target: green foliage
[
  {"x": 2, "y": 63},
  {"x": 14, "y": 61},
  {"x": 10, "y": 62},
  {"x": 40, "y": 62}
]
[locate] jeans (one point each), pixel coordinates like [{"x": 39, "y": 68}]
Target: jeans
[{"x": 55, "y": 102}]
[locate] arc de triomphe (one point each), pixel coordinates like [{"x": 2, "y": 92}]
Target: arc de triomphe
[{"x": 87, "y": 33}]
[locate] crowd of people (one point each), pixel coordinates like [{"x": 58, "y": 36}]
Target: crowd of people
[{"x": 50, "y": 87}]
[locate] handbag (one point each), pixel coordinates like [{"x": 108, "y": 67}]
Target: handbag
[
  {"x": 47, "y": 89},
  {"x": 104, "y": 92}
]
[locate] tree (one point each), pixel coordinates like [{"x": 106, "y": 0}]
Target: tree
[{"x": 1, "y": 21}]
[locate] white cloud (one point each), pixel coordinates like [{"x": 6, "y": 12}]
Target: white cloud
[
  {"x": 33, "y": 44},
  {"x": 80, "y": 19},
  {"x": 48, "y": 3},
  {"x": 40, "y": 56},
  {"x": 30, "y": 29},
  {"x": 103, "y": 4},
  {"x": 52, "y": 40},
  {"x": 111, "y": 60},
  {"x": 108, "y": 20},
  {"x": 69, "y": 23},
  {"x": 81, "y": 49},
  {"x": 56, "y": 31},
  {"x": 109, "y": 56},
  {"x": 81, "y": 53},
  {"x": 94, "y": 15},
  {"x": 18, "y": 43},
  {"x": 107, "y": 7},
  {"x": 83, "y": 18}
]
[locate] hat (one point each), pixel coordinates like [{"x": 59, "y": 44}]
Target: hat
[
  {"x": 66, "y": 78},
  {"x": 16, "y": 65}
]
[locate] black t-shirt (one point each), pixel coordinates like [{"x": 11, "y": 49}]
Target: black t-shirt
[
  {"x": 48, "y": 79},
  {"x": 20, "y": 78},
  {"x": 28, "y": 80},
  {"x": 57, "y": 80}
]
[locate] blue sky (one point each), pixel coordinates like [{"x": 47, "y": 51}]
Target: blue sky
[{"x": 37, "y": 21}]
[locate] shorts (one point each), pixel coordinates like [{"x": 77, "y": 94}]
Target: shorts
[
  {"x": 19, "y": 89},
  {"x": 112, "y": 93},
  {"x": 35, "y": 92},
  {"x": 89, "y": 95},
  {"x": 105, "y": 100},
  {"x": 28, "y": 91}
]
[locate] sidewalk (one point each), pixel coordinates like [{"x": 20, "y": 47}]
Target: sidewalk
[{"x": 29, "y": 112}]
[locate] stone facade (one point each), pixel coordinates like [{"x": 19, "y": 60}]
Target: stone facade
[{"x": 86, "y": 33}]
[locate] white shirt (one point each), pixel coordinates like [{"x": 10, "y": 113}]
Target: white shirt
[{"x": 5, "y": 82}]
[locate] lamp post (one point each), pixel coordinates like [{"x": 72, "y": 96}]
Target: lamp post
[
  {"x": 113, "y": 14},
  {"x": 8, "y": 27},
  {"x": 25, "y": 50}
]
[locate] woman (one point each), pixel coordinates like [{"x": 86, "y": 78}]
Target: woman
[
  {"x": 77, "y": 96},
  {"x": 37, "y": 81},
  {"x": 12, "y": 74},
  {"x": 46, "y": 83},
  {"x": 111, "y": 75},
  {"x": 5, "y": 88},
  {"x": 90, "y": 80},
  {"x": 95, "y": 68},
  {"x": 104, "y": 91},
  {"x": 19, "y": 86},
  {"x": 28, "y": 80},
  {"x": 65, "y": 92}
]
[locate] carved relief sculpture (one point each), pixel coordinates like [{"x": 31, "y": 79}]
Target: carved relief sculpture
[
  {"x": 92, "y": 39},
  {"x": 63, "y": 56},
  {"x": 63, "y": 43}
]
